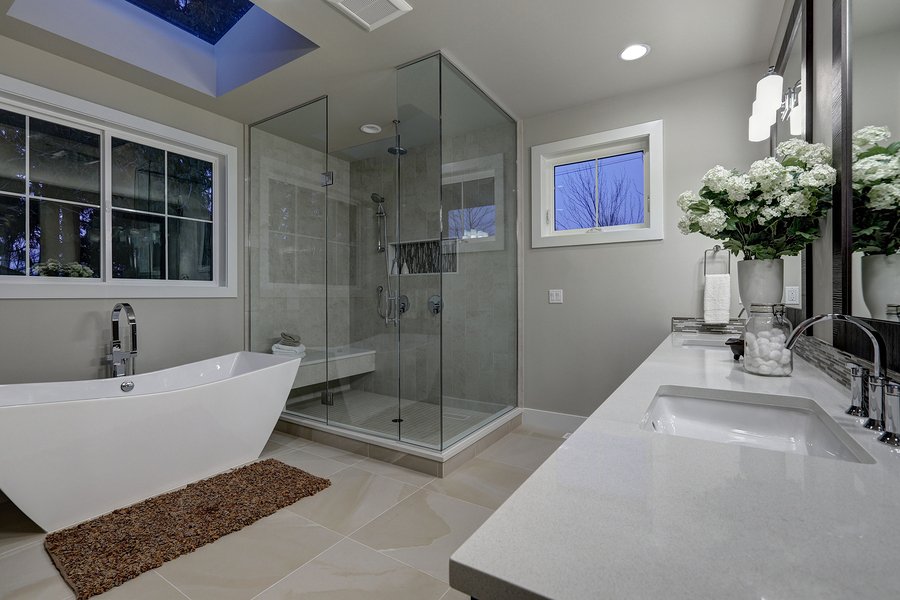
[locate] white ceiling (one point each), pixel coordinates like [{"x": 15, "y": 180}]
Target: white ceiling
[{"x": 533, "y": 56}]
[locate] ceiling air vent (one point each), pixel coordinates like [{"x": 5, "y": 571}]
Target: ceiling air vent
[{"x": 371, "y": 14}]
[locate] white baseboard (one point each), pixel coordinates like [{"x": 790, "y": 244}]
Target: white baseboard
[{"x": 552, "y": 421}]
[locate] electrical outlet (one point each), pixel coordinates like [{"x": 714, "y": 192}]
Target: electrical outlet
[
  {"x": 555, "y": 296},
  {"x": 791, "y": 294}
]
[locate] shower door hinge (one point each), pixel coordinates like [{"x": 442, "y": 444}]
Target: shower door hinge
[
  {"x": 327, "y": 398},
  {"x": 327, "y": 178}
]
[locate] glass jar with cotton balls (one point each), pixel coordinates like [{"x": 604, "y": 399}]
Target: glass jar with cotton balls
[{"x": 765, "y": 335}]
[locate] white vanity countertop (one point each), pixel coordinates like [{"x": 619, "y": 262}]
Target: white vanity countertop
[{"x": 618, "y": 512}]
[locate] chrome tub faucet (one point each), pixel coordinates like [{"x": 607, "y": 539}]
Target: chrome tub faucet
[
  {"x": 121, "y": 362},
  {"x": 873, "y": 395}
]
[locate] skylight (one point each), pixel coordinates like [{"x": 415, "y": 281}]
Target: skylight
[{"x": 209, "y": 20}]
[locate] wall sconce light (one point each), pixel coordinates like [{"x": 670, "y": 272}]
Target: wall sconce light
[{"x": 770, "y": 101}]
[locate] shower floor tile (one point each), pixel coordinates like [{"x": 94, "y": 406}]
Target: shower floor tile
[{"x": 374, "y": 413}]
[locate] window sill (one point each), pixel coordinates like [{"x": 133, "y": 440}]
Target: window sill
[{"x": 51, "y": 288}]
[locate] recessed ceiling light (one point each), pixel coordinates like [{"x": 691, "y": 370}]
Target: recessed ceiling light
[
  {"x": 634, "y": 52},
  {"x": 370, "y": 128}
]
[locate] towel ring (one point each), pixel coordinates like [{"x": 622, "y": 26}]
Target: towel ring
[{"x": 715, "y": 250}]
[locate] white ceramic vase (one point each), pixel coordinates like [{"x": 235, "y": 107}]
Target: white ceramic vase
[
  {"x": 760, "y": 281},
  {"x": 880, "y": 277}
]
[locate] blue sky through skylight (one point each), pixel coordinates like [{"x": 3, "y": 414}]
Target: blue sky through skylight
[{"x": 209, "y": 20}]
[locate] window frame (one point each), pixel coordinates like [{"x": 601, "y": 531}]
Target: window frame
[
  {"x": 42, "y": 103},
  {"x": 545, "y": 157}
]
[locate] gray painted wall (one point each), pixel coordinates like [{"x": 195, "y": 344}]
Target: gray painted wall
[
  {"x": 619, "y": 298},
  {"x": 53, "y": 340}
]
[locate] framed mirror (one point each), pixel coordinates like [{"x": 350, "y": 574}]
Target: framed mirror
[
  {"x": 866, "y": 127},
  {"x": 793, "y": 63}
]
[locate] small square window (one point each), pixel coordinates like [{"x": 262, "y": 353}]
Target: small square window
[{"x": 600, "y": 188}]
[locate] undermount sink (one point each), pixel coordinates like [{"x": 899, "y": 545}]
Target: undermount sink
[{"x": 783, "y": 423}]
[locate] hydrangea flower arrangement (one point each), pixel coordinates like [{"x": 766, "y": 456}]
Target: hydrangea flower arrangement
[
  {"x": 771, "y": 211},
  {"x": 876, "y": 192}
]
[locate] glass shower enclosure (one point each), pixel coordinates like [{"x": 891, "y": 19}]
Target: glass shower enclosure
[{"x": 393, "y": 259}]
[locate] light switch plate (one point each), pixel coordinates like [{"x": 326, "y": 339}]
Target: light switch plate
[
  {"x": 791, "y": 294},
  {"x": 555, "y": 296}
]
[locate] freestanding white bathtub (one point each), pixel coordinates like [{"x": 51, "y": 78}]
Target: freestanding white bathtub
[{"x": 71, "y": 451}]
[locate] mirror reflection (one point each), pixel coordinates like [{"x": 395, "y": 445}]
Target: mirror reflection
[
  {"x": 875, "y": 55},
  {"x": 791, "y": 123}
]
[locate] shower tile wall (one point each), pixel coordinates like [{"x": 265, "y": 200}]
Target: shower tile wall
[
  {"x": 478, "y": 323},
  {"x": 287, "y": 240}
]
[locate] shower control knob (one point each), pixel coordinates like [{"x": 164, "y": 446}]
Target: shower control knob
[{"x": 435, "y": 304}]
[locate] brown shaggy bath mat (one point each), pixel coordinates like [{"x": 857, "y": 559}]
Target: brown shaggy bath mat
[{"x": 100, "y": 554}]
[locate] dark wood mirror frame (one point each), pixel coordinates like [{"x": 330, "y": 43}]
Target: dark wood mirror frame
[
  {"x": 849, "y": 339},
  {"x": 800, "y": 21}
]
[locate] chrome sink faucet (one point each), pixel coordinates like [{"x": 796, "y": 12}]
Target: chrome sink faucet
[
  {"x": 872, "y": 394},
  {"x": 121, "y": 362}
]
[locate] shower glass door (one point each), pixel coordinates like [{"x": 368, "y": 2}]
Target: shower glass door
[
  {"x": 362, "y": 313},
  {"x": 419, "y": 253},
  {"x": 287, "y": 240}
]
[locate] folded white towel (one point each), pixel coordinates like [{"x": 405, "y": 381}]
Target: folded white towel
[
  {"x": 288, "y": 350},
  {"x": 717, "y": 299},
  {"x": 292, "y": 349},
  {"x": 290, "y": 354}
]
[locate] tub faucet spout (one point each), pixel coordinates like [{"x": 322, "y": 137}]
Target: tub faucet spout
[{"x": 121, "y": 362}]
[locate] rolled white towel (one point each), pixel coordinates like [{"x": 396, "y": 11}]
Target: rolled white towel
[{"x": 717, "y": 298}]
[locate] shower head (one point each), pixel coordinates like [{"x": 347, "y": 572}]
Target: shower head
[
  {"x": 397, "y": 150},
  {"x": 377, "y": 198}
]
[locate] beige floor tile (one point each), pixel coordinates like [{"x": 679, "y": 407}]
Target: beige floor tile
[
  {"x": 350, "y": 571},
  {"x": 28, "y": 574},
  {"x": 521, "y": 450},
  {"x": 454, "y": 595},
  {"x": 424, "y": 530},
  {"x": 483, "y": 482},
  {"x": 394, "y": 472},
  {"x": 317, "y": 465},
  {"x": 354, "y": 498},
  {"x": 333, "y": 453},
  {"x": 273, "y": 449},
  {"x": 286, "y": 439},
  {"x": 544, "y": 432},
  {"x": 244, "y": 563},
  {"x": 149, "y": 586},
  {"x": 16, "y": 530}
]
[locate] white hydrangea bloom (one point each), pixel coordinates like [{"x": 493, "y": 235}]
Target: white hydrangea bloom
[
  {"x": 684, "y": 224},
  {"x": 769, "y": 213},
  {"x": 816, "y": 154},
  {"x": 794, "y": 205},
  {"x": 745, "y": 210},
  {"x": 687, "y": 200},
  {"x": 817, "y": 177},
  {"x": 871, "y": 135},
  {"x": 884, "y": 196},
  {"x": 713, "y": 222},
  {"x": 716, "y": 178},
  {"x": 738, "y": 187},
  {"x": 790, "y": 148},
  {"x": 768, "y": 174},
  {"x": 810, "y": 154},
  {"x": 872, "y": 169}
]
